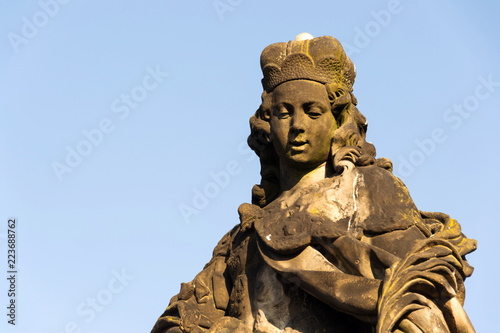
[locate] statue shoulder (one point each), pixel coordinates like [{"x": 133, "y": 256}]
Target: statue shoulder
[{"x": 384, "y": 202}]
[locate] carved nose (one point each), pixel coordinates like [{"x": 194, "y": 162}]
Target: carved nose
[
  {"x": 298, "y": 123},
  {"x": 297, "y": 129}
]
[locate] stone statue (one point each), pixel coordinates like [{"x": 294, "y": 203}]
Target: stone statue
[{"x": 332, "y": 241}]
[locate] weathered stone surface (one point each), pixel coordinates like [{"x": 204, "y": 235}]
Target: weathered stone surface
[{"x": 332, "y": 241}]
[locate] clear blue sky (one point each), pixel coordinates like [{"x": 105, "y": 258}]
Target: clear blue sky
[{"x": 116, "y": 115}]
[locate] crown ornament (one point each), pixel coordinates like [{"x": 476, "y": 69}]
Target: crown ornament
[{"x": 320, "y": 59}]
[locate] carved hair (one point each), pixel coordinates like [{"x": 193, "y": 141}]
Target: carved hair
[{"x": 351, "y": 131}]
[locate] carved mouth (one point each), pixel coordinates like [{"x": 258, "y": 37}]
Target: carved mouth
[{"x": 298, "y": 145}]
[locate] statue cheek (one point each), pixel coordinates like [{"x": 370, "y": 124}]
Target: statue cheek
[{"x": 279, "y": 133}]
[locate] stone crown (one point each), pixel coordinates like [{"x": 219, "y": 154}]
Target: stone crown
[{"x": 320, "y": 59}]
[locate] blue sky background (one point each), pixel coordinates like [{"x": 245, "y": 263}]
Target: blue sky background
[{"x": 117, "y": 211}]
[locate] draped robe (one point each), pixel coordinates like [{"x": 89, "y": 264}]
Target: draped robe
[{"x": 350, "y": 253}]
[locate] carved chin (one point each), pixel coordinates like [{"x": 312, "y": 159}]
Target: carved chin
[{"x": 301, "y": 158}]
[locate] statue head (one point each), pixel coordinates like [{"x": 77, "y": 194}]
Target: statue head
[
  {"x": 308, "y": 111},
  {"x": 301, "y": 125}
]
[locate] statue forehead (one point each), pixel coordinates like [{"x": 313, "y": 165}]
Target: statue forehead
[{"x": 300, "y": 90}]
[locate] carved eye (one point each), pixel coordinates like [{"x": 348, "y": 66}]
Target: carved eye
[
  {"x": 283, "y": 115},
  {"x": 313, "y": 111},
  {"x": 282, "y": 112}
]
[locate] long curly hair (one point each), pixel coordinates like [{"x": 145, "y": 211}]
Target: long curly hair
[{"x": 351, "y": 131}]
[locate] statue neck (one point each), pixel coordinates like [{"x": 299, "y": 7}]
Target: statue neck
[{"x": 292, "y": 179}]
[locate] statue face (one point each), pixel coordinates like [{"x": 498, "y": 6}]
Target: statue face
[{"x": 302, "y": 124}]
